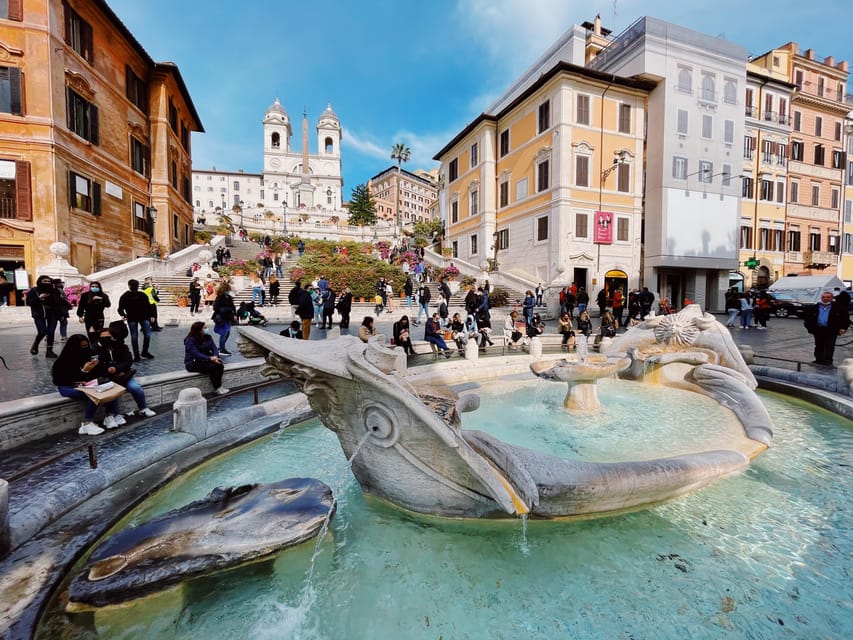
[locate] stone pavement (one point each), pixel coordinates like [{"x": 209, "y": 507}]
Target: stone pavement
[{"x": 30, "y": 375}]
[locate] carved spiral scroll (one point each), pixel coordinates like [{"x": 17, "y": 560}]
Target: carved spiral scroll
[{"x": 381, "y": 425}]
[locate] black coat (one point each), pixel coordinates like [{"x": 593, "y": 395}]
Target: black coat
[
  {"x": 45, "y": 304},
  {"x": 135, "y": 306},
  {"x": 92, "y": 305}
]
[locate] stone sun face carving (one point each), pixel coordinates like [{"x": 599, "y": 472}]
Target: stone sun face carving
[{"x": 676, "y": 330}]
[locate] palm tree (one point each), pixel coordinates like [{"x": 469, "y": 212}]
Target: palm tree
[{"x": 401, "y": 153}]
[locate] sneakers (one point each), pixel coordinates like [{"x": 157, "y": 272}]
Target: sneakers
[
  {"x": 136, "y": 358},
  {"x": 110, "y": 422},
  {"x": 222, "y": 391},
  {"x": 148, "y": 413},
  {"x": 145, "y": 354},
  {"x": 50, "y": 354},
  {"x": 89, "y": 428},
  {"x": 119, "y": 420},
  {"x": 223, "y": 352}
]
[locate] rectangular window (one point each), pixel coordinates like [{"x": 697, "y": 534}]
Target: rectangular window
[
  {"x": 542, "y": 175},
  {"x": 766, "y": 190},
  {"x": 798, "y": 120},
  {"x": 848, "y": 211},
  {"x": 503, "y": 239},
  {"x": 544, "y": 116},
  {"x": 706, "y": 171},
  {"x": 581, "y": 225},
  {"x": 797, "y": 150},
  {"x": 727, "y": 175},
  {"x": 836, "y": 199},
  {"x": 763, "y": 239},
  {"x": 838, "y": 131},
  {"x": 623, "y": 177},
  {"x": 453, "y": 170},
  {"x": 783, "y": 111},
  {"x": 682, "y": 122},
  {"x": 679, "y": 168},
  {"x": 140, "y": 218},
  {"x": 582, "y": 115},
  {"x": 768, "y": 107},
  {"x": 82, "y": 116},
  {"x": 622, "y": 229},
  {"x": 236, "y": 185},
  {"x": 729, "y": 132},
  {"x": 685, "y": 79},
  {"x": 821, "y": 86},
  {"x": 815, "y": 195},
  {"x": 767, "y": 151},
  {"x": 819, "y": 153},
  {"x": 11, "y": 91},
  {"x": 173, "y": 119},
  {"x": 707, "y": 126},
  {"x": 818, "y": 126},
  {"x": 834, "y": 242},
  {"x": 454, "y": 212},
  {"x": 541, "y": 229},
  {"x": 521, "y": 189},
  {"x": 780, "y": 191},
  {"x": 745, "y": 237},
  {"x": 781, "y": 154},
  {"x": 504, "y": 143},
  {"x": 814, "y": 240},
  {"x": 455, "y": 248},
  {"x": 795, "y": 192},
  {"x": 475, "y": 155},
  {"x": 503, "y": 194},
  {"x": 794, "y": 240},
  {"x": 798, "y": 79},
  {"x": 850, "y": 172},
  {"x": 139, "y": 157},
  {"x": 837, "y": 159},
  {"x": 748, "y": 147},
  {"x": 582, "y": 171},
  {"x": 78, "y": 33},
  {"x": 475, "y": 203},
  {"x": 777, "y": 240},
  {"x": 624, "y": 118},
  {"x": 746, "y": 190},
  {"x": 84, "y": 194},
  {"x": 135, "y": 89},
  {"x": 848, "y": 243},
  {"x": 473, "y": 245},
  {"x": 185, "y": 137}
]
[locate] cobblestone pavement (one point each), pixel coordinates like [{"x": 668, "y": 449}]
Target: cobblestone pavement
[{"x": 30, "y": 375}]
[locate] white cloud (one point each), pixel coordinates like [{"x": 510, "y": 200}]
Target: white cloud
[
  {"x": 365, "y": 145},
  {"x": 423, "y": 145}
]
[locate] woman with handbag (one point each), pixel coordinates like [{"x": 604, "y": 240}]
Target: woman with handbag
[
  {"x": 116, "y": 363},
  {"x": 402, "y": 337},
  {"x": 76, "y": 365}
]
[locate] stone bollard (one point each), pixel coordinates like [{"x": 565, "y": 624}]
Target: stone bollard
[
  {"x": 5, "y": 534},
  {"x": 535, "y": 347},
  {"x": 844, "y": 375},
  {"x": 190, "y": 413},
  {"x": 472, "y": 350}
]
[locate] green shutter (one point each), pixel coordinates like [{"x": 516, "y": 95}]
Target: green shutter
[
  {"x": 94, "y": 132},
  {"x": 96, "y": 198}
]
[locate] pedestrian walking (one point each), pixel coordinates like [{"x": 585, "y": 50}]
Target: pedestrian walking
[
  {"x": 90, "y": 310},
  {"x": 135, "y": 307},
  {"x": 224, "y": 316},
  {"x": 745, "y": 311},
  {"x": 45, "y": 308}
]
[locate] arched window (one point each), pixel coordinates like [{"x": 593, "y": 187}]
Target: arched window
[
  {"x": 275, "y": 140},
  {"x": 330, "y": 145},
  {"x": 685, "y": 79},
  {"x": 329, "y": 196},
  {"x": 708, "y": 87}
]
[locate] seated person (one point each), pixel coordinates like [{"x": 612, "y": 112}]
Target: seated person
[
  {"x": 511, "y": 333},
  {"x": 202, "y": 356},
  {"x": 378, "y": 305},
  {"x": 457, "y": 333},
  {"x": 431, "y": 334},
  {"x": 247, "y": 312},
  {"x": 366, "y": 330},
  {"x": 402, "y": 335},
  {"x": 293, "y": 331},
  {"x": 566, "y": 329},
  {"x": 608, "y": 325},
  {"x": 535, "y": 328},
  {"x": 484, "y": 326},
  {"x": 472, "y": 330},
  {"x": 116, "y": 363},
  {"x": 584, "y": 323},
  {"x": 76, "y": 365}
]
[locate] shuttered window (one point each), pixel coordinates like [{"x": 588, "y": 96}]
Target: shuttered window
[
  {"x": 78, "y": 33},
  {"x": 84, "y": 194},
  {"x": 82, "y": 116},
  {"x": 11, "y": 91}
]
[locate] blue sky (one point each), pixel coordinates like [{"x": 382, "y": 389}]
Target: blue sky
[{"x": 397, "y": 71}]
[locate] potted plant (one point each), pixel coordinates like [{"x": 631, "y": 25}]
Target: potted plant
[{"x": 179, "y": 295}]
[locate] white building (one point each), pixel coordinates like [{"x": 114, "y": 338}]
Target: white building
[{"x": 294, "y": 182}]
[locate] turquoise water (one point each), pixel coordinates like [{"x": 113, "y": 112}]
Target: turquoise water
[{"x": 762, "y": 555}]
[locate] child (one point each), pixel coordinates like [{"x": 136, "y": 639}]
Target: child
[{"x": 377, "y": 309}]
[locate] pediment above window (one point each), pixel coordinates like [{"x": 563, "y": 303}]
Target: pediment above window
[
  {"x": 583, "y": 147},
  {"x": 543, "y": 154},
  {"x": 8, "y": 52},
  {"x": 473, "y": 186},
  {"x": 79, "y": 84}
]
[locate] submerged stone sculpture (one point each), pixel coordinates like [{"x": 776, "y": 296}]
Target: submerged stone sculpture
[
  {"x": 412, "y": 451},
  {"x": 229, "y": 527}
]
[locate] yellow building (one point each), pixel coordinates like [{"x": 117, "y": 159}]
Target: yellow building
[
  {"x": 548, "y": 185},
  {"x": 766, "y": 147},
  {"x": 94, "y": 140}
]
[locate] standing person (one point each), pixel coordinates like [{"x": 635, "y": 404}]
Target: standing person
[
  {"x": 571, "y": 301},
  {"x": 445, "y": 289},
  {"x": 317, "y": 301},
  {"x": 540, "y": 291},
  {"x": 646, "y": 298},
  {"x": 618, "y": 307},
  {"x": 115, "y": 363},
  {"x": 402, "y": 335},
  {"x": 75, "y": 366},
  {"x": 45, "y": 308},
  {"x": 761, "y": 311},
  {"x": 224, "y": 315},
  {"x": 366, "y": 330},
  {"x": 826, "y": 321},
  {"x": 443, "y": 311},
  {"x": 257, "y": 289},
  {"x": 408, "y": 289},
  {"x": 90, "y": 310},
  {"x": 601, "y": 302},
  {"x": 201, "y": 356},
  {"x": 135, "y": 307},
  {"x": 305, "y": 310},
  {"x": 345, "y": 307},
  {"x": 328, "y": 308},
  {"x": 583, "y": 300},
  {"x": 6, "y": 289},
  {"x": 293, "y": 296},
  {"x": 64, "y": 308},
  {"x": 209, "y": 292},
  {"x": 389, "y": 296},
  {"x": 745, "y": 311},
  {"x": 424, "y": 296},
  {"x": 277, "y": 263},
  {"x": 431, "y": 334},
  {"x": 154, "y": 298},
  {"x": 275, "y": 289},
  {"x": 300, "y": 247},
  {"x": 528, "y": 304},
  {"x": 732, "y": 307},
  {"x": 472, "y": 301},
  {"x": 195, "y": 295}
]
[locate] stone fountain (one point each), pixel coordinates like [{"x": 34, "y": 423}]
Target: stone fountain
[{"x": 416, "y": 454}]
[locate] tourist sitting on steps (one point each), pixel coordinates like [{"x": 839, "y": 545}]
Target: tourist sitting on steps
[
  {"x": 116, "y": 363},
  {"x": 431, "y": 334},
  {"x": 402, "y": 335},
  {"x": 202, "y": 356},
  {"x": 511, "y": 334},
  {"x": 76, "y": 365},
  {"x": 566, "y": 329},
  {"x": 366, "y": 330}
]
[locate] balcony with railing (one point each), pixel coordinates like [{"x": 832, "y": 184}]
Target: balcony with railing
[
  {"x": 750, "y": 112},
  {"x": 8, "y": 207}
]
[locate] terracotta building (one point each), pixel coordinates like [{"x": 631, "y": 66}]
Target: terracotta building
[
  {"x": 94, "y": 139},
  {"x": 418, "y": 191}
]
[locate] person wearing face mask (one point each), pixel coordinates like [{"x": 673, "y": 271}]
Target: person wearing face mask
[
  {"x": 45, "y": 308},
  {"x": 202, "y": 356},
  {"x": 76, "y": 365},
  {"x": 115, "y": 363},
  {"x": 134, "y": 307},
  {"x": 224, "y": 315},
  {"x": 90, "y": 310}
]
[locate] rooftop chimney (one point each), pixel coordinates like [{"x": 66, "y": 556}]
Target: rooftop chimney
[
  {"x": 829, "y": 61},
  {"x": 808, "y": 54},
  {"x": 597, "y": 23}
]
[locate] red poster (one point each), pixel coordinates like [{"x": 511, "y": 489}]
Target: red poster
[{"x": 603, "y": 227}]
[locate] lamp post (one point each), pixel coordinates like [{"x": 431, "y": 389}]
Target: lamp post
[
  {"x": 284, "y": 217},
  {"x": 152, "y": 215}
]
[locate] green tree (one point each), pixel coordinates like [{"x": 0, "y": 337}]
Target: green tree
[
  {"x": 401, "y": 153},
  {"x": 362, "y": 207},
  {"x": 424, "y": 231}
]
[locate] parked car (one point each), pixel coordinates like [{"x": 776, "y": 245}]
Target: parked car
[{"x": 783, "y": 306}]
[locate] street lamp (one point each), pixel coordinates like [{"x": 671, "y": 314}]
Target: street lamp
[
  {"x": 284, "y": 217},
  {"x": 152, "y": 215},
  {"x": 241, "y": 214}
]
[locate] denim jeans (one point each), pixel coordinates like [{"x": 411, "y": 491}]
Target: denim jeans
[
  {"x": 134, "y": 325},
  {"x": 423, "y": 308},
  {"x": 223, "y": 330},
  {"x": 258, "y": 292},
  {"x": 732, "y": 321},
  {"x": 135, "y": 389},
  {"x": 745, "y": 318},
  {"x": 45, "y": 327},
  {"x": 409, "y": 302},
  {"x": 89, "y": 411}
]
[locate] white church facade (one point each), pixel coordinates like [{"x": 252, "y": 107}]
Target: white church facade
[{"x": 295, "y": 186}]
